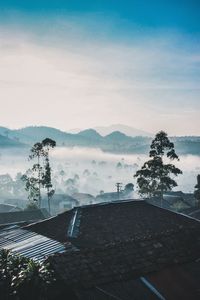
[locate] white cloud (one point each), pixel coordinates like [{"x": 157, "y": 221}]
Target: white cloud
[{"x": 71, "y": 79}]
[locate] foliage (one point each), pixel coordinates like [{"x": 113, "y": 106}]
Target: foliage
[
  {"x": 197, "y": 190},
  {"x": 129, "y": 187},
  {"x": 153, "y": 178},
  {"x": 21, "y": 278},
  {"x": 39, "y": 176},
  {"x": 46, "y": 178},
  {"x": 31, "y": 206}
]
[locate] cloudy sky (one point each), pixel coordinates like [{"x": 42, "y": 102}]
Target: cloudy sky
[{"x": 86, "y": 63}]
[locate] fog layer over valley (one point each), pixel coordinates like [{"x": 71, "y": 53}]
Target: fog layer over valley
[{"x": 86, "y": 170}]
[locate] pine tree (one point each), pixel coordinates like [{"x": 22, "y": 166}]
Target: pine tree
[{"x": 154, "y": 178}]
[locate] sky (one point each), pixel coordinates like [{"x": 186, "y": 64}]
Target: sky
[{"x": 82, "y": 64}]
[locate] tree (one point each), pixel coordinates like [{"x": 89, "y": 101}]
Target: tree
[
  {"x": 46, "y": 179},
  {"x": 39, "y": 176},
  {"x": 197, "y": 190},
  {"x": 22, "y": 278},
  {"x": 154, "y": 178},
  {"x": 129, "y": 188},
  {"x": 37, "y": 152},
  {"x": 31, "y": 186}
]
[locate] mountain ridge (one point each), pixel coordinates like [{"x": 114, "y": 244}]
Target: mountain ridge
[{"x": 116, "y": 142}]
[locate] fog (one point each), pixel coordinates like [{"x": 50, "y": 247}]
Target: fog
[{"x": 92, "y": 170}]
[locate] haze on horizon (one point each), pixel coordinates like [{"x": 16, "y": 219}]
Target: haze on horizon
[{"x": 73, "y": 66}]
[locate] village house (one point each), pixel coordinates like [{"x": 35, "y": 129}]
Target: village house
[{"x": 124, "y": 250}]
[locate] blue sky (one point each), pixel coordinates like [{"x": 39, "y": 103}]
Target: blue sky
[
  {"x": 133, "y": 62},
  {"x": 181, "y": 14}
]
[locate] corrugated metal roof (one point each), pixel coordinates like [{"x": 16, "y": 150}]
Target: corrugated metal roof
[{"x": 29, "y": 244}]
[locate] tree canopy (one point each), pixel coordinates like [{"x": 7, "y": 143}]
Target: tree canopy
[{"x": 155, "y": 176}]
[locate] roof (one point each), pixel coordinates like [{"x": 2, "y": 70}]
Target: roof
[
  {"x": 123, "y": 243},
  {"x": 55, "y": 227},
  {"x": 178, "y": 282},
  {"x": 124, "y": 220},
  {"x": 23, "y": 216},
  {"x": 195, "y": 214},
  {"x": 125, "y": 290},
  {"x": 57, "y": 198},
  {"x": 29, "y": 244},
  {"x": 107, "y": 223},
  {"x": 8, "y": 208},
  {"x": 126, "y": 260},
  {"x": 124, "y": 240},
  {"x": 83, "y": 196}
]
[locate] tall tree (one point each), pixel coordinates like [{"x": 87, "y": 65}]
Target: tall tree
[
  {"x": 154, "y": 178},
  {"x": 39, "y": 176},
  {"x": 37, "y": 152},
  {"x": 46, "y": 180},
  {"x": 197, "y": 190}
]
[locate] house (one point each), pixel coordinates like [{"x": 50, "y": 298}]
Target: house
[
  {"x": 84, "y": 198},
  {"x": 127, "y": 250},
  {"x": 23, "y": 217},
  {"x": 175, "y": 201},
  {"x": 8, "y": 208},
  {"x": 126, "y": 193},
  {"x": 60, "y": 203}
]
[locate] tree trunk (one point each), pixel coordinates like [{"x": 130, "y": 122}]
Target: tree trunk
[{"x": 49, "y": 207}]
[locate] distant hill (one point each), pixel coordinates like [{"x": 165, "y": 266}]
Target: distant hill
[
  {"x": 130, "y": 131},
  {"x": 90, "y": 133},
  {"x": 118, "y": 137},
  {"x": 6, "y": 142},
  {"x": 116, "y": 142}
]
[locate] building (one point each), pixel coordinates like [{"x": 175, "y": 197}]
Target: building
[
  {"x": 23, "y": 217},
  {"x": 61, "y": 202},
  {"x": 8, "y": 208},
  {"x": 124, "y": 250}
]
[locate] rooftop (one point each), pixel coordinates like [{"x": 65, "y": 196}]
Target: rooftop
[
  {"x": 107, "y": 223},
  {"x": 29, "y": 216},
  {"x": 126, "y": 243}
]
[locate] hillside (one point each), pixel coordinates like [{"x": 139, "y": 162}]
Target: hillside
[
  {"x": 127, "y": 130},
  {"x": 6, "y": 142},
  {"x": 116, "y": 142}
]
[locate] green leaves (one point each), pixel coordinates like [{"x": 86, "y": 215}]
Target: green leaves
[
  {"x": 21, "y": 278},
  {"x": 39, "y": 176},
  {"x": 153, "y": 178}
]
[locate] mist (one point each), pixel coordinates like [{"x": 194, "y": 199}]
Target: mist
[{"x": 92, "y": 170}]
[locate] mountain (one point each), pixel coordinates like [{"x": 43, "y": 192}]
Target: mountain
[
  {"x": 6, "y": 142},
  {"x": 115, "y": 142},
  {"x": 34, "y": 134},
  {"x": 117, "y": 137},
  {"x": 130, "y": 131},
  {"x": 91, "y": 134}
]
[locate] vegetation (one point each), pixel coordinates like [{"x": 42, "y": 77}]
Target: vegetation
[
  {"x": 22, "y": 279},
  {"x": 197, "y": 191},
  {"x": 154, "y": 178},
  {"x": 39, "y": 176}
]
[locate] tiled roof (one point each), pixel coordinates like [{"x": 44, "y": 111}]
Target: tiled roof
[
  {"x": 55, "y": 227},
  {"x": 116, "y": 243},
  {"x": 125, "y": 290},
  {"x": 23, "y": 216},
  {"x": 126, "y": 220},
  {"x": 178, "y": 282},
  {"x": 108, "y": 223},
  {"x": 129, "y": 259}
]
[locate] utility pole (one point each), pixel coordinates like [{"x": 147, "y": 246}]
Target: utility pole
[{"x": 119, "y": 186}]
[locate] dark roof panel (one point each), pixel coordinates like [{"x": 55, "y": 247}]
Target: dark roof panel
[{"x": 23, "y": 216}]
